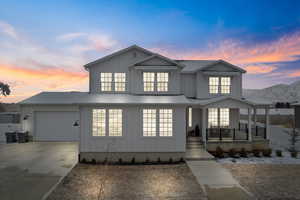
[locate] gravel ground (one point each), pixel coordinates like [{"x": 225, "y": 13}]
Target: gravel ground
[
  {"x": 168, "y": 182},
  {"x": 267, "y": 181}
]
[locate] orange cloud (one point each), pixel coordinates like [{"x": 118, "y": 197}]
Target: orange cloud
[
  {"x": 259, "y": 69},
  {"x": 294, "y": 74}
]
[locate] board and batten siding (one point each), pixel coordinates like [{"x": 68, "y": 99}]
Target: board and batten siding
[{"x": 132, "y": 139}]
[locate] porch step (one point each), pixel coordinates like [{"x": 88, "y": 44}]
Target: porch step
[
  {"x": 194, "y": 139},
  {"x": 194, "y": 146}
]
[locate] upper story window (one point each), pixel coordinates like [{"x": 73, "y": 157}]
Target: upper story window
[
  {"x": 219, "y": 85},
  {"x": 113, "y": 82},
  {"x": 156, "y": 81},
  {"x": 106, "y": 81}
]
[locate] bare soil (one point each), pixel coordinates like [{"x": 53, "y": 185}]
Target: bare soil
[{"x": 168, "y": 182}]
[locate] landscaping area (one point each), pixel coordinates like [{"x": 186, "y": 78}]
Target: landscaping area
[
  {"x": 268, "y": 181},
  {"x": 167, "y": 181}
]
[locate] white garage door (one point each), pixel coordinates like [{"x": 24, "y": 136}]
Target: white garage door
[{"x": 56, "y": 126}]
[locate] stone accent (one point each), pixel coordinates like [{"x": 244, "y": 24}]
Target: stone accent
[
  {"x": 249, "y": 146},
  {"x": 139, "y": 157}
]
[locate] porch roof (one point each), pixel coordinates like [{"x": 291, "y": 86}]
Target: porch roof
[{"x": 64, "y": 98}]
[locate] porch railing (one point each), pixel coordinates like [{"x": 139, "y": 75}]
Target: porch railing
[{"x": 257, "y": 131}]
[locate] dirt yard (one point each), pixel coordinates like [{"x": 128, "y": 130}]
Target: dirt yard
[
  {"x": 129, "y": 182},
  {"x": 268, "y": 181}
]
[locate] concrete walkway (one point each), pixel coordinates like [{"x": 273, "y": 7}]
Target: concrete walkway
[
  {"x": 29, "y": 171},
  {"x": 217, "y": 182}
]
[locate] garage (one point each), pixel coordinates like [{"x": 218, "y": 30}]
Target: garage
[{"x": 56, "y": 126}]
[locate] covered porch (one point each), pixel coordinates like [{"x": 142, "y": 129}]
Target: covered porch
[{"x": 217, "y": 123}]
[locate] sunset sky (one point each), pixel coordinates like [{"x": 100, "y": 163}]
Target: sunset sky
[{"x": 44, "y": 44}]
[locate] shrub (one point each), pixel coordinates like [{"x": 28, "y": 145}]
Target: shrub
[
  {"x": 267, "y": 152},
  {"x": 294, "y": 154},
  {"x": 147, "y": 160},
  {"x": 219, "y": 152},
  {"x": 133, "y": 160},
  {"x": 171, "y": 160},
  {"x": 181, "y": 159},
  {"x": 243, "y": 153},
  {"x": 232, "y": 152},
  {"x": 158, "y": 159},
  {"x": 120, "y": 161},
  {"x": 93, "y": 161},
  {"x": 256, "y": 152},
  {"x": 279, "y": 153},
  {"x": 83, "y": 160}
]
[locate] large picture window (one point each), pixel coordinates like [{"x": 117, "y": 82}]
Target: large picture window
[
  {"x": 115, "y": 122},
  {"x": 149, "y": 122},
  {"x": 165, "y": 122},
  {"x": 99, "y": 116}
]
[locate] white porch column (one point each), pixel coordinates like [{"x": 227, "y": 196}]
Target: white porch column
[
  {"x": 254, "y": 117},
  {"x": 204, "y": 126},
  {"x": 249, "y": 125},
  {"x": 267, "y": 126}
]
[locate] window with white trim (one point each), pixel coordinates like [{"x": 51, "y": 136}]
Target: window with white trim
[
  {"x": 120, "y": 82},
  {"x": 213, "y": 121},
  {"x": 218, "y": 117},
  {"x": 190, "y": 114},
  {"x": 99, "y": 122},
  {"x": 225, "y": 85},
  {"x": 115, "y": 122},
  {"x": 106, "y": 81},
  {"x": 224, "y": 117},
  {"x": 149, "y": 122},
  {"x": 148, "y": 80},
  {"x": 213, "y": 85},
  {"x": 165, "y": 122},
  {"x": 162, "y": 81}
]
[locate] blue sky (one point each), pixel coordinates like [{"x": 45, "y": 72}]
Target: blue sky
[{"x": 42, "y": 38}]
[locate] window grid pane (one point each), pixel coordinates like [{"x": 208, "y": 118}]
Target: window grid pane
[
  {"x": 213, "y": 117},
  {"x": 213, "y": 85},
  {"x": 225, "y": 85},
  {"x": 120, "y": 82},
  {"x": 224, "y": 117},
  {"x": 149, "y": 122},
  {"x": 165, "y": 122},
  {"x": 162, "y": 81},
  {"x": 115, "y": 122},
  {"x": 148, "y": 79},
  {"x": 106, "y": 81},
  {"x": 99, "y": 122}
]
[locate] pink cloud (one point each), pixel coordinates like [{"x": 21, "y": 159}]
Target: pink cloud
[{"x": 259, "y": 69}]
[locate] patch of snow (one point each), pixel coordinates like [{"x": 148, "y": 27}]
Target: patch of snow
[{"x": 286, "y": 159}]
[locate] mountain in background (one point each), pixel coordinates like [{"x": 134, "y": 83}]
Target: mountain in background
[{"x": 276, "y": 93}]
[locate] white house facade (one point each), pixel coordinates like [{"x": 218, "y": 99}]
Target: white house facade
[{"x": 142, "y": 105}]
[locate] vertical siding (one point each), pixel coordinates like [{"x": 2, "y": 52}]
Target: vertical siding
[
  {"x": 297, "y": 116},
  {"x": 132, "y": 139}
]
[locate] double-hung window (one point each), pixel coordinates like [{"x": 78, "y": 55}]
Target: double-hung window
[
  {"x": 103, "y": 118},
  {"x": 157, "y": 121},
  {"x": 219, "y": 85},
  {"x": 218, "y": 117},
  {"x": 112, "y": 82},
  {"x": 156, "y": 81}
]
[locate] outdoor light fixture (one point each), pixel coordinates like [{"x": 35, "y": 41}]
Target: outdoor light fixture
[
  {"x": 76, "y": 123},
  {"x": 25, "y": 117}
]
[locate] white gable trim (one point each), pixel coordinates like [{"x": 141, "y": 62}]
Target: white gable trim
[
  {"x": 139, "y": 63},
  {"x": 118, "y": 53},
  {"x": 225, "y": 63}
]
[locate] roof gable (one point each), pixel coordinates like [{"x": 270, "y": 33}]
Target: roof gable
[
  {"x": 215, "y": 66},
  {"x": 157, "y": 60},
  {"x": 122, "y": 51}
]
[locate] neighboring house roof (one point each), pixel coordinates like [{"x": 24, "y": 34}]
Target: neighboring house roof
[
  {"x": 50, "y": 98},
  {"x": 173, "y": 62},
  {"x": 118, "y": 53},
  {"x": 192, "y": 66}
]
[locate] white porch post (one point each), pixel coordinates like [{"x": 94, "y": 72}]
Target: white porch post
[
  {"x": 254, "y": 117},
  {"x": 249, "y": 125},
  {"x": 204, "y": 126},
  {"x": 267, "y": 124}
]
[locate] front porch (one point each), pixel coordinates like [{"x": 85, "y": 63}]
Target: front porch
[{"x": 218, "y": 124}]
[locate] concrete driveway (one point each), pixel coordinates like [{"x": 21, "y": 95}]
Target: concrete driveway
[{"x": 29, "y": 171}]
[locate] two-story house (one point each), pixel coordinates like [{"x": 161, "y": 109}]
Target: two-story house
[{"x": 143, "y": 105}]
